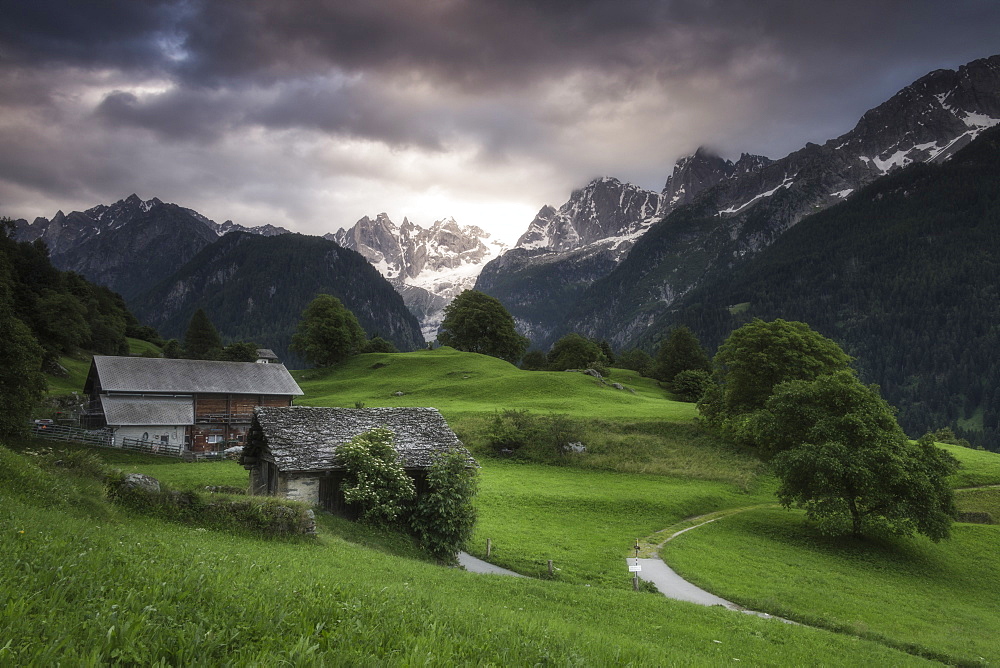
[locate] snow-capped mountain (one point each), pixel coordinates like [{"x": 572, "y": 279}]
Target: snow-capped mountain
[
  {"x": 428, "y": 266},
  {"x": 605, "y": 209},
  {"x": 566, "y": 249},
  {"x": 713, "y": 212}
]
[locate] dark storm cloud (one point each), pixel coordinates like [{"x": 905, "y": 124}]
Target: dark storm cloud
[
  {"x": 115, "y": 33},
  {"x": 518, "y": 98}
]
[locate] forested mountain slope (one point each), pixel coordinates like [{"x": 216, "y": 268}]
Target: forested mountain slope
[
  {"x": 905, "y": 275},
  {"x": 742, "y": 215},
  {"x": 255, "y": 288}
]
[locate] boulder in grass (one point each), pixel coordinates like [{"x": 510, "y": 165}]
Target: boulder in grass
[{"x": 141, "y": 481}]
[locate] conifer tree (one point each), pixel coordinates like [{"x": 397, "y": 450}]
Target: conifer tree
[{"x": 201, "y": 341}]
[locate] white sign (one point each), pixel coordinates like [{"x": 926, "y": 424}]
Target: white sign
[{"x": 633, "y": 566}]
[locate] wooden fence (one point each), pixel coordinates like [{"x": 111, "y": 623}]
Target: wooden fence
[
  {"x": 61, "y": 432},
  {"x": 104, "y": 438},
  {"x": 152, "y": 447}
]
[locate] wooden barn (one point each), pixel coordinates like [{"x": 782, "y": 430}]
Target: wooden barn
[
  {"x": 197, "y": 404},
  {"x": 291, "y": 452}
]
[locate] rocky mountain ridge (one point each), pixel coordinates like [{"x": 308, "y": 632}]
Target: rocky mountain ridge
[
  {"x": 713, "y": 213},
  {"x": 428, "y": 266},
  {"x": 63, "y": 232}
]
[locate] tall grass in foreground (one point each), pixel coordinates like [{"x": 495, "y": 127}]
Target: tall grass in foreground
[
  {"x": 96, "y": 588},
  {"x": 939, "y": 599}
]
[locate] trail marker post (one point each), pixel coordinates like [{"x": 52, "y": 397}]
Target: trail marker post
[{"x": 634, "y": 567}]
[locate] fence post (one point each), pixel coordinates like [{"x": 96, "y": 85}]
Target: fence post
[
  {"x": 550, "y": 568},
  {"x": 489, "y": 547}
]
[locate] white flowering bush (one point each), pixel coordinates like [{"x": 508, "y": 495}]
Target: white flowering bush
[{"x": 375, "y": 479}]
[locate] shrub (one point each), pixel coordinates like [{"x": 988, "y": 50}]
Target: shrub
[
  {"x": 534, "y": 360},
  {"x": 691, "y": 384},
  {"x": 266, "y": 516},
  {"x": 443, "y": 518},
  {"x": 600, "y": 367},
  {"x": 375, "y": 479},
  {"x": 535, "y": 437},
  {"x": 509, "y": 429}
]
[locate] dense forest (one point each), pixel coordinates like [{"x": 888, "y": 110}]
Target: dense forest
[
  {"x": 255, "y": 288},
  {"x": 64, "y": 311},
  {"x": 905, "y": 275}
]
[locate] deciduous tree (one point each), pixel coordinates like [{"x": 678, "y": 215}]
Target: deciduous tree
[
  {"x": 574, "y": 352},
  {"x": 760, "y": 355},
  {"x": 328, "y": 332},
  {"x": 842, "y": 457},
  {"x": 239, "y": 351},
  {"x": 477, "y": 323},
  {"x": 680, "y": 351}
]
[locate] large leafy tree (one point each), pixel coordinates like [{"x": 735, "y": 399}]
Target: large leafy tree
[
  {"x": 680, "y": 351},
  {"x": 575, "y": 352},
  {"x": 760, "y": 355},
  {"x": 201, "y": 340},
  {"x": 477, "y": 323},
  {"x": 842, "y": 457},
  {"x": 328, "y": 332}
]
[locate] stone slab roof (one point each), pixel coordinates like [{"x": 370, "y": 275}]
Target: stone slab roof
[
  {"x": 144, "y": 374},
  {"x": 152, "y": 411},
  {"x": 304, "y": 439}
]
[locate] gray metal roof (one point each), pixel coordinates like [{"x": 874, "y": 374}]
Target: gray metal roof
[
  {"x": 266, "y": 353},
  {"x": 302, "y": 438},
  {"x": 145, "y": 374},
  {"x": 152, "y": 411}
]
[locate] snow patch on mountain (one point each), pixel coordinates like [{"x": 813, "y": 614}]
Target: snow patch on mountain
[{"x": 428, "y": 266}]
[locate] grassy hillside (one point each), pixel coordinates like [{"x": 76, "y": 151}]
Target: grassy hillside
[
  {"x": 460, "y": 383},
  {"x": 938, "y": 599},
  {"x": 88, "y": 584}
]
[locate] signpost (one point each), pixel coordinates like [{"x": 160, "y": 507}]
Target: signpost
[{"x": 635, "y": 567}]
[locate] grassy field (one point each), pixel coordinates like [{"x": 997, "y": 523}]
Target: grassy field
[
  {"x": 99, "y": 586},
  {"x": 934, "y": 598},
  {"x": 86, "y": 584},
  {"x": 585, "y": 521},
  {"x": 460, "y": 383},
  {"x": 77, "y": 368}
]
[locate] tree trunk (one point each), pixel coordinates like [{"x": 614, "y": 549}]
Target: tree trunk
[{"x": 855, "y": 516}]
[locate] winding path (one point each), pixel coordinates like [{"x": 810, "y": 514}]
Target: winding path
[
  {"x": 473, "y": 565},
  {"x": 672, "y": 585}
]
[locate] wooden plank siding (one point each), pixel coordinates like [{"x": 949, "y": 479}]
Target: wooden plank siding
[{"x": 226, "y": 416}]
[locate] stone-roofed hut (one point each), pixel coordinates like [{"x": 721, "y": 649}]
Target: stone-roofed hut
[
  {"x": 291, "y": 452},
  {"x": 266, "y": 356}
]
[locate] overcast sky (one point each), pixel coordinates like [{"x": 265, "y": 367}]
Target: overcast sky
[{"x": 312, "y": 114}]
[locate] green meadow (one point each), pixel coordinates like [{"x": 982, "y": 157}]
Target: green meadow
[
  {"x": 460, "y": 383},
  {"x": 86, "y": 583}
]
